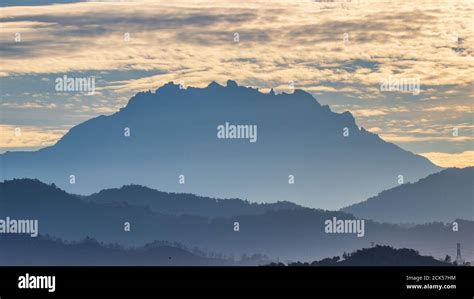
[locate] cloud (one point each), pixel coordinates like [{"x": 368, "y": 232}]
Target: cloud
[
  {"x": 29, "y": 105},
  {"x": 375, "y": 130},
  {"x": 24, "y": 137},
  {"x": 300, "y": 41},
  {"x": 368, "y": 112},
  {"x": 377, "y": 111},
  {"x": 35, "y": 2},
  {"x": 89, "y": 36},
  {"x": 459, "y": 160},
  {"x": 463, "y": 108},
  {"x": 401, "y": 138}
]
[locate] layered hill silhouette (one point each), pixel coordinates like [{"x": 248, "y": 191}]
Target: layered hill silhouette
[
  {"x": 376, "y": 256},
  {"x": 442, "y": 196},
  {"x": 184, "y": 204},
  {"x": 174, "y": 132},
  {"x": 18, "y": 250},
  {"x": 294, "y": 234}
]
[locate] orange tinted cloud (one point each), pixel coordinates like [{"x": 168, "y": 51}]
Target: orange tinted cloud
[{"x": 459, "y": 160}]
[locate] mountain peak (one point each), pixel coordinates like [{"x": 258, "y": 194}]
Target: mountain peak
[
  {"x": 232, "y": 84},
  {"x": 214, "y": 84},
  {"x": 170, "y": 86}
]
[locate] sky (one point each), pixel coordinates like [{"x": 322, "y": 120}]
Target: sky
[{"x": 345, "y": 53}]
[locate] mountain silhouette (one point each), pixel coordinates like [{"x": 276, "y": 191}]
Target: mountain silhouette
[
  {"x": 174, "y": 132},
  {"x": 294, "y": 234},
  {"x": 18, "y": 250},
  {"x": 442, "y": 196},
  {"x": 184, "y": 204},
  {"x": 389, "y": 256},
  {"x": 376, "y": 256}
]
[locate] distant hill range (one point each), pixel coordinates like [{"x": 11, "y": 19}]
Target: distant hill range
[
  {"x": 162, "y": 135},
  {"x": 442, "y": 196},
  {"x": 184, "y": 204},
  {"x": 376, "y": 256},
  {"x": 18, "y": 250},
  {"x": 287, "y": 234}
]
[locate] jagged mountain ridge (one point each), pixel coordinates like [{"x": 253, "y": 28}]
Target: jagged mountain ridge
[{"x": 173, "y": 132}]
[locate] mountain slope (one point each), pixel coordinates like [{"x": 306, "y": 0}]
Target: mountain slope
[
  {"x": 442, "y": 196},
  {"x": 174, "y": 131}
]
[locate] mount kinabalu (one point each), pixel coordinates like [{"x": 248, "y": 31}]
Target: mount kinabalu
[{"x": 173, "y": 135}]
